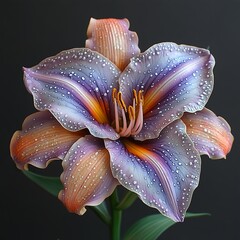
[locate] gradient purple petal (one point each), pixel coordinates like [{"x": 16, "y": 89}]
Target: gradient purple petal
[
  {"x": 41, "y": 140},
  {"x": 211, "y": 134},
  {"x": 164, "y": 172},
  {"x": 175, "y": 79},
  {"x": 112, "y": 38},
  {"x": 86, "y": 176},
  {"x": 76, "y": 86}
]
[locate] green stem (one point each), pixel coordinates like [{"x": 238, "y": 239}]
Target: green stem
[
  {"x": 127, "y": 201},
  {"x": 102, "y": 212},
  {"x": 116, "y": 217}
]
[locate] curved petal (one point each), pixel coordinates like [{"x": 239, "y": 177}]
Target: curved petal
[
  {"x": 111, "y": 38},
  {"x": 211, "y": 134},
  {"x": 164, "y": 171},
  {"x": 41, "y": 140},
  {"x": 174, "y": 78},
  {"x": 87, "y": 176},
  {"x": 75, "y": 85}
]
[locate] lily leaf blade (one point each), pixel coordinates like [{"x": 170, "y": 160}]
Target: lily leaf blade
[
  {"x": 51, "y": 184},
  {"x": 151, "y": 227}
]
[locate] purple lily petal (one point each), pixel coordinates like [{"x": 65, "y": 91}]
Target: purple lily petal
[
  {"x": 87, "y": 176},
  {"x": 175, "y": 79},
  {"x": 210, "y": 134},
  {"x": 164, "y": 172},
  {"x": 76, "y": 86},
  {"x": 112, "y": 39},
  {"x": 41, "y": 140}
]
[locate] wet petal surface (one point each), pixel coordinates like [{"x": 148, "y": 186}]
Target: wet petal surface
[
  {"x": 111, "y": 38},
  {"x": 211, "y": 134},
  {"x": 164, "y": 172},
  {"x": 76, "y": 86},
  {"x": 41, "y": 140},
  {"x": 174, "y": 79},
  {"x": 87, "y": 176}
]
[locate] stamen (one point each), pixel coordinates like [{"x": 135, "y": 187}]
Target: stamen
[
  {"x": 139, "y": 123},
  {"x": 140, "y": 96},
  {"x": 124, "y": 128},
  {"x": 135, "y": 97},
  {"x": 133, "y": 124},
  {"x": 116, "y": 115},
  {"x": 127, "y": 132},
  {"x": 114, "y": 93},
  {"x": 121, "y": 102}
]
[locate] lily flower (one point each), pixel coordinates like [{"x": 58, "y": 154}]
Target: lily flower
[{"x": 114, "y": 115}]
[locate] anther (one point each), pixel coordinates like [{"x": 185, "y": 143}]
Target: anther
[
  {"x": 121, "y": 102},
  {"x": 135, "y": 97}
]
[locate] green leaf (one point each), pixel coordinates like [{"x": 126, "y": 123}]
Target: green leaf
[
  {"x": 151, "y": 227},
  {"x": 52, "y": 185}
]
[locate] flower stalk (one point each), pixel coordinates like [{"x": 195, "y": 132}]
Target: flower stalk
[
  {"x": 115, "y": 227},
  {"x": 127, "y": 200}
]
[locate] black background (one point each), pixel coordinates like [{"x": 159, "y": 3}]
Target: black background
[{"x": 33, "y": 30}]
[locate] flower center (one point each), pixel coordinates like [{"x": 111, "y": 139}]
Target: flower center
[{"x": 128, "y": 120}]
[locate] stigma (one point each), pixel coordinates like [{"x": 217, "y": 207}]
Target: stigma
[{"x": 128, "y": 119}]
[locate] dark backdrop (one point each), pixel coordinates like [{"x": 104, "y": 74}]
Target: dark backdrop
[{"x": 33, "y": 30}]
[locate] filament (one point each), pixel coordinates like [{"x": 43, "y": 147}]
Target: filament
[{"x": 128, "y": 120}]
